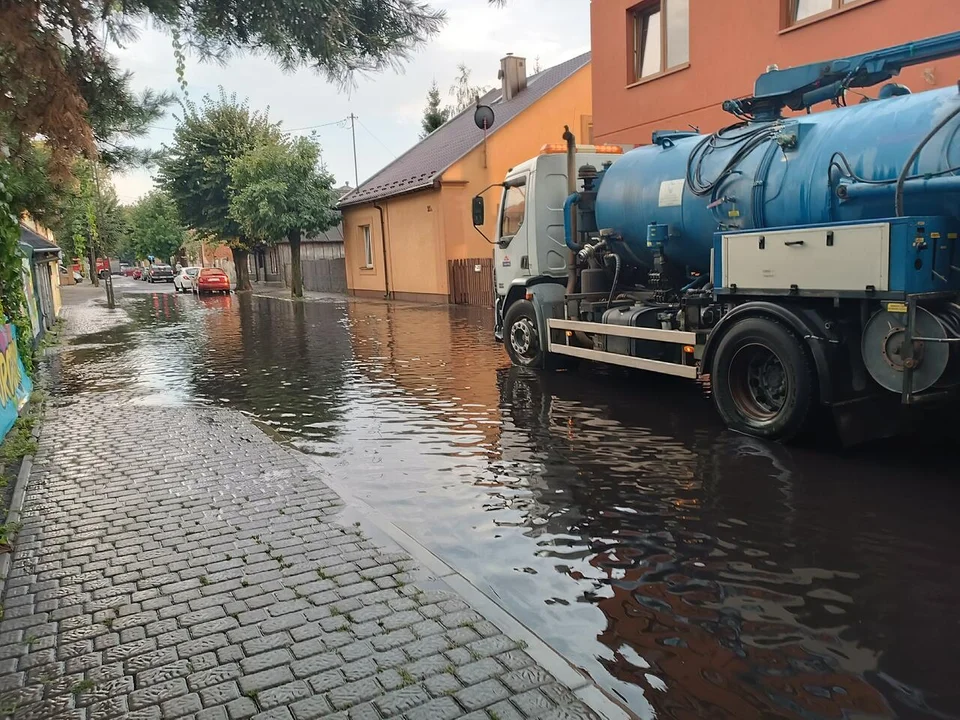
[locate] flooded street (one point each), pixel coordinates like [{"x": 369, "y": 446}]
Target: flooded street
[{"x": 690, "y": 571}]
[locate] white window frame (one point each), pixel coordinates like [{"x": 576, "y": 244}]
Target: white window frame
[
  {"x": 367, "y": 235},
  {"x": 638, "y": 18}
]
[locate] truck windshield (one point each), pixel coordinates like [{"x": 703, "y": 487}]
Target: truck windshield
[{"x": 514, "y": 206}]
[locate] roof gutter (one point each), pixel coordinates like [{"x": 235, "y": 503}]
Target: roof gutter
[{"x": 383, "y": 241}]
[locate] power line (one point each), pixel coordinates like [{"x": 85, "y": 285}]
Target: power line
[
  {"x": 377, "y": 139},
  {"x": 341, "y": 123}
]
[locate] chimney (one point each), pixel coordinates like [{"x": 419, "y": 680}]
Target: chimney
[{"x": 513, "y": 74}]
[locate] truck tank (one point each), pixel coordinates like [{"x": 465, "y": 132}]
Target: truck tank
[{"x": 834, "y": 166}]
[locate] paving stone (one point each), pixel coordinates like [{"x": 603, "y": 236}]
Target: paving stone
[
  {"x": 214, "y": 713},
  {"x": 354, "y": 693},
  {"x": 283, "y": 694},
  {"x": 444, "y": 708},
  {"x": 533, "y": 703},
  {"x": 157, "y": 694},
  {"x": 479, "y": 696},
  {"x": 220, "y": 694},
  {"x": 150, "y": 585},
  {"x": 267, "y": 679},
  {"x": 241, "y": 708},
  {"x": 310, "y": 708},
  {"x": 472, "y": 673},
  {"x": 399, "y": 701},
  {"x": 256, "y": 663},
  {"x": 213, "y": 676},
  {"x": 442, "y": 684},
  {"x": 181, "y": 706}
]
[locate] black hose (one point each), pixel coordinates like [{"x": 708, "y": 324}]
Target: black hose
[
  {"x": 905, "y": 173},
  {"x": 616, "y": 278},
  {"x": 745, "y": 142}
]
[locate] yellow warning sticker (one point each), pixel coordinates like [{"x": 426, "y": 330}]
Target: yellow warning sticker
[{"x": 896, "y": 307}]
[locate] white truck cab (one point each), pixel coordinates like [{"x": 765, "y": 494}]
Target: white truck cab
[{"x": 530, "y": 243}]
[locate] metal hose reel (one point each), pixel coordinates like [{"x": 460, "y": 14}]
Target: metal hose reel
[{"x": 935, "y": 337}]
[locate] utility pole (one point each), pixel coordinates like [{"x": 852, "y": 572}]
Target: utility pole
[
  {"x": 108, "y": 280},
  {"x": 353, "y": 132}
]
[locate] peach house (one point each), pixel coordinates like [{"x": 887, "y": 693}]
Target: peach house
[
  {"x": 669, "y": 64},
  {"x": 408, "y": 228}
]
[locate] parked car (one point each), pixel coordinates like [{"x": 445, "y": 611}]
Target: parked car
[
  {"x": 212, "y": 280},
  {"x": 137, "y": 273},
  {"x": 77, "y": 277},
  {"x": 183, "y": 280},
  {"x": 160, "y": 273}
]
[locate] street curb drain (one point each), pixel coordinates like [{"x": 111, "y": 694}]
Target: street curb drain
[{"x": 440, "y": 576}]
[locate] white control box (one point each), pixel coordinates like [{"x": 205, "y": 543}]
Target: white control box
[{"x": 843, "y": 258}]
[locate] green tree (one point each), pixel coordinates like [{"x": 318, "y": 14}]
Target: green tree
[
  {"x": 51, "y": 49},
  {"x": 155, "y": 227},
  {"x": 464, "y": 93},
  {"x": 281, "y": 192},
  {"x": 433, "y": 116},
  {"x": 195, "y": 170}
]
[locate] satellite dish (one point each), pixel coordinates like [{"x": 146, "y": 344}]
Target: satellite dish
[{"x": 484, "y": 117}]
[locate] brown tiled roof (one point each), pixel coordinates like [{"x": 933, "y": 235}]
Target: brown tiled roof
[{"x": 421, "y": 166}]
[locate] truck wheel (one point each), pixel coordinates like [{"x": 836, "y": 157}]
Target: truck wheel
[
  {"x": 763, "y": 381},
  {"x": 521, "y": 336}
]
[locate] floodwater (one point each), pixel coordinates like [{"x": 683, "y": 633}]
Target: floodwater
[{"x": 690, "y": 571}]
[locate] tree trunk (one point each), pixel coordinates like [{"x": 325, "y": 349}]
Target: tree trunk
[
  {"x": 92, "y": 258},
  {"x": 296, "y": 268},
  {"x": 243, "y": 269}
]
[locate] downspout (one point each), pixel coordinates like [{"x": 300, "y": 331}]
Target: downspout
[
  {"x": 383, "y": 241},
  {"x": 571, "y": 217}
]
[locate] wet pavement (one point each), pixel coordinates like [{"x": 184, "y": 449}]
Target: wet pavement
[{"x": 691, "y": 571}]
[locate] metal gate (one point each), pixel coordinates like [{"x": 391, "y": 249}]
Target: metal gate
[{"x": 471, "y": 282}]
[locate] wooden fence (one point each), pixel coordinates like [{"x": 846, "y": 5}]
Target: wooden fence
[
  {"x": 471, "y": 282},
  {"x": 321, "y": 275}
]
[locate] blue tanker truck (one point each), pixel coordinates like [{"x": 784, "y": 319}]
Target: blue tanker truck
[{"x": 789, "y": 262}]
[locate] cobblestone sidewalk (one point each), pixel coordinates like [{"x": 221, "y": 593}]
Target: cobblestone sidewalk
[{"x": 209, "y": 577}]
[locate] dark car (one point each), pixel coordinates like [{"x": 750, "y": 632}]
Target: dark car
[{"x": 160, "y": 273}]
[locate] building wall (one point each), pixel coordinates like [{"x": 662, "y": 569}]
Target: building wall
[
  {"x": 428, "y": 228},
  {"x": 416, "y": 259},
  {"x": 732, "y": 42},
  {"x": 521, "y": 139}
]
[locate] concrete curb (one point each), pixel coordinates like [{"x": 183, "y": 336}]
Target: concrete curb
[
  {"x": 16, "y": 506},
  {"x": 441, "y": 576}
]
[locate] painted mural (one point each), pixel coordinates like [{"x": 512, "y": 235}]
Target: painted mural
[
  {"x": 15, "y": 385},
  {"x": 31, "y": 296}
]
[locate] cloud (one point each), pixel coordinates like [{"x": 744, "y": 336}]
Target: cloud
[{"x": 389, "y": 105}]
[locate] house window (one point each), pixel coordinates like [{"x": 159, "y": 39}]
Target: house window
[
  {"x": 367, "y": 246},
  {"x": 800, "y": 10},
  {"x": 586, "y": 129},
  {"x": 660, "y": 35}
]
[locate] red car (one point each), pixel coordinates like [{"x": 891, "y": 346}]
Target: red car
[
  {"x": 137, "y": 272},
  {"x": 212, "y": 280}
]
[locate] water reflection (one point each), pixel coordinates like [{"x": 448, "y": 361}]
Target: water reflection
[{"x": 693, "y": 572}]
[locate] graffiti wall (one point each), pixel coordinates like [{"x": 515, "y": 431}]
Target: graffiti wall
[
  {"x": 31, "y": 296},
  {"x": 15, "y": 385}
]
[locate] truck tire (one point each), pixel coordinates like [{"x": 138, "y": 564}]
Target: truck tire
[
  {"x": 521, "y": 336},
  {"x": 763, "y": 380}
]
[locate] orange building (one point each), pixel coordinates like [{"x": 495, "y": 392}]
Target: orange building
[
  {"x": 669, "y": 64},
  {"x": 404, "y": 227}
]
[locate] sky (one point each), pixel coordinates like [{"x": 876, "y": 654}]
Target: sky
[{"x": 389, "y": 105}]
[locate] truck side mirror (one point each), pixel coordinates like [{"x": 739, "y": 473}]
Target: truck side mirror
[{"x": 478, "y": 211}]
